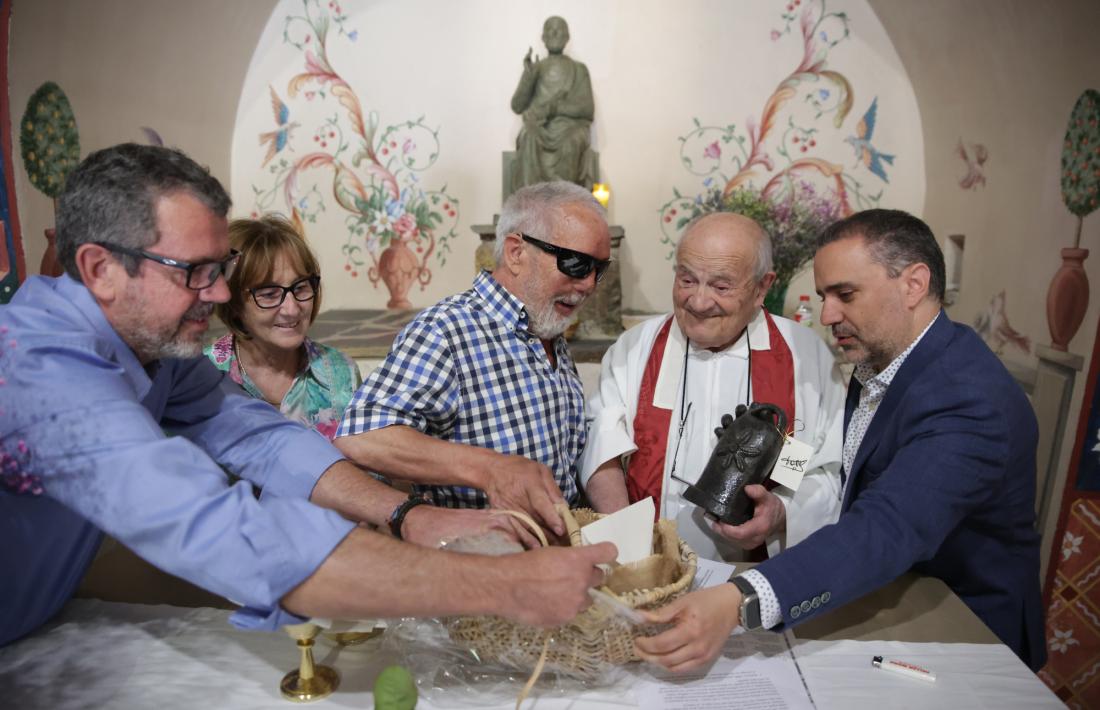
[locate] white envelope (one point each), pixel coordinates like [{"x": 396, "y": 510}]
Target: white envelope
[{"x": 631, "y": 529}]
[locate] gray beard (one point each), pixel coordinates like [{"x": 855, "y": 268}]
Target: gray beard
[
  {"x": 160, "y": 346},
  {"x": 547, "y": 325}
]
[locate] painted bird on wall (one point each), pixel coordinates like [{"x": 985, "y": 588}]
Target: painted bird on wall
[
  {"x": 993, "y": 326},
  {"x": 865, "y": 152},
  {"x": 276, "y": 140},
  {"x": 975, "y": 174}
]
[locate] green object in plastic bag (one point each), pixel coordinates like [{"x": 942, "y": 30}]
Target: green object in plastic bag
[{"x": 395, "y": 689}]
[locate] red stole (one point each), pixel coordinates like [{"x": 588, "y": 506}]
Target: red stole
[{"x": 772, "y": 381}]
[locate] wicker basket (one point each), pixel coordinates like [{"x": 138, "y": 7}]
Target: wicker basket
[{"x": 597, "y": 636}]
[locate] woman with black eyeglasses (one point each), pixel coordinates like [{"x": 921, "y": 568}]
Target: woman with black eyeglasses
[{"x": 275, "y": 293}]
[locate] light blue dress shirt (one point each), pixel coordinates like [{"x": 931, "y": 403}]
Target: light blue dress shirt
[{"x": 135, "y": 452}]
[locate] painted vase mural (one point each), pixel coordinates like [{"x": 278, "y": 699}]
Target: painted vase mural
[
  {"x": 393, "y": 224},
  {"x": 1068, "y": 296},
  {"x": 50, "y": 147}
]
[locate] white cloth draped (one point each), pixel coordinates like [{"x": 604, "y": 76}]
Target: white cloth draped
[{"x": 716, "y": 383}]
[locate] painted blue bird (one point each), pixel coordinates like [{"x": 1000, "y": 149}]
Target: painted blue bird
[
  {"x": 861, "y": 141},
  {"x": 276, "y": 140}
]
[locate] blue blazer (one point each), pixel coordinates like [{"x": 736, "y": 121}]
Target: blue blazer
[{"x": 943, "y": 484}]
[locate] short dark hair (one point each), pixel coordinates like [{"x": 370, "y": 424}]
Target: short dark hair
[
  {"x": 896, "y": 239},
  {"x": 112, "y": 196}
]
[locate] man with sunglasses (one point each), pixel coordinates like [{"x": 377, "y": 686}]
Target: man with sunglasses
[
  {"x": 113, "y": 421},
  {"x": 665, "y": 385},
  {"x": 479, "y": 402}
]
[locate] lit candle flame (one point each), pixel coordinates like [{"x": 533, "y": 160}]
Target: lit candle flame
[{"x": 602, "y": 193}]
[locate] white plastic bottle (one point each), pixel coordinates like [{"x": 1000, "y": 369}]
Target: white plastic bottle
[{"x": 803, "y": 314}]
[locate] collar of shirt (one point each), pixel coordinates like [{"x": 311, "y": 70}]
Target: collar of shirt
[
  {"x": 874, "y": 385},
  {"x": 315, "y": 365},
  {"x": 666, "y": 391},
  {"x": 225, "y": 358},
  {"x": 81, "y": 298},
  {"x": 500, "y": 304}
]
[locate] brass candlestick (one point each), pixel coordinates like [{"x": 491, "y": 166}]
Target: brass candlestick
[{"x": 309, "y": 682}]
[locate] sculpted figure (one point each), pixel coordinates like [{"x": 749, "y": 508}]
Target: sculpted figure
[
  {"x": 745, "y": 454},
  {"x": 554, "y": 96}
]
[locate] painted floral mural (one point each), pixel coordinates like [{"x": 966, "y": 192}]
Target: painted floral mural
[
  {"x": 795, "y": 147},
  {"x": 349, "y": 162}
]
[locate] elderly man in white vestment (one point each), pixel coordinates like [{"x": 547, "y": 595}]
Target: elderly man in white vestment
[{"x": 666, "y": 383}]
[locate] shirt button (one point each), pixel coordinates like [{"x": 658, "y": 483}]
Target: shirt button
[{"x": 806, "y": 607}]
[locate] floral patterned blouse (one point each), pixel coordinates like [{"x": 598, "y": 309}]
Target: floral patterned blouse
[{"x": 319, "y": 393}]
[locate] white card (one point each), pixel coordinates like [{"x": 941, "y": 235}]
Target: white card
[
  {"x": 631, "y": 529},
  {"x": 792, "y": 463}
]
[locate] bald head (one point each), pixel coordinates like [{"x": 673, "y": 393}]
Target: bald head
[
  {"x": 723, "y": 272},
  {"x": 724, "y": 232}
]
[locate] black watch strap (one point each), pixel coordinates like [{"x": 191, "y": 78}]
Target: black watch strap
[
  {"x": 397, "y": 517},
  {"x": 750, "y": 603}
]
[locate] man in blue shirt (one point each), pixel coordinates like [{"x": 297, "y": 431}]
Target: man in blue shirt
[
  {"x": 112, "y": 420},
  {"x": 479, "y": 402}
]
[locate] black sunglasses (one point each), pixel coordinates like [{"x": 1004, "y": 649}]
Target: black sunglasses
[
  {"x": 200, "y": 275},
  {"x": 574, "y": 264},
  {"x": 273, "y": 295}
]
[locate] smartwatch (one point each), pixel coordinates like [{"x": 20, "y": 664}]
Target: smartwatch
[
  {"x": 750, "y": 603},
  {"x": 397, "y": 517}
]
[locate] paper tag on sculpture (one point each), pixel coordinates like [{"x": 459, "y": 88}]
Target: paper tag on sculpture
[
  {"x": 791, "y": 466},
  {"x": 631, "y": 529}
]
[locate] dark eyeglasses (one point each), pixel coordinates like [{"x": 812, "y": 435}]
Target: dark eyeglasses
[
  {"x": 574, "y": 264},
  {"x": 273, "y": 295},
  {"x": 199, "y": 275}
]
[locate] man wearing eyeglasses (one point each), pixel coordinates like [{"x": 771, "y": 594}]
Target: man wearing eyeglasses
[
  {"x": 479, "y": 402},
  {"x": 113, "y": 421},
  {"x": 665, "y": 385}
]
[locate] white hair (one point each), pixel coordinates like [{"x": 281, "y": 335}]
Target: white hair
[{"x": 533, "y": 209}]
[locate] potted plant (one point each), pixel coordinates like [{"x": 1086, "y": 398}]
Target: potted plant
[
  {"x": 1068, "y": 297},
  {"x": 50, "y": 146}
]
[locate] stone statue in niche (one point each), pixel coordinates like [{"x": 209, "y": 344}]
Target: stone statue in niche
[
  {"x": 746, "y": 452},
  {"x": 554, "y": 96}
]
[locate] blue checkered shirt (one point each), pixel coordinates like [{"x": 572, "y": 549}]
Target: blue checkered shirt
[{"x": 467, "y": 370}]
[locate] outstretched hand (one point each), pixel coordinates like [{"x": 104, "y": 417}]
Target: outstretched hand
[
  {"x": 701, "y": 623},
  {"x": 549, "y": 587},
  {"x": 769, "y": 518}
]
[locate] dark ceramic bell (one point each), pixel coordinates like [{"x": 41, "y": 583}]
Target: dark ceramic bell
[{"x": 747, "y": 449}]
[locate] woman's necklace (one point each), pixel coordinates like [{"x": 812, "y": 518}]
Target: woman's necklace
[{"x": 244, "y": 374}]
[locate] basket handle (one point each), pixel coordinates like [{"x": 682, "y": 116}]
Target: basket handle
[
  {"x": 526, "y": 519},
  {"x": 571, "y": 526}
]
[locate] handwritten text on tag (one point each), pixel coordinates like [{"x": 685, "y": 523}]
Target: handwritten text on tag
[{"x": 792, "y": 463}]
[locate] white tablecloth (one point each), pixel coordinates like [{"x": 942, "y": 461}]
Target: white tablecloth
[{"x": 102, "y": 654}]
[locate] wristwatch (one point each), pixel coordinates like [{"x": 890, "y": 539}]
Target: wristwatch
[
  {"x": 750, "y": 603},
  {"x": 397, "y": 517}
]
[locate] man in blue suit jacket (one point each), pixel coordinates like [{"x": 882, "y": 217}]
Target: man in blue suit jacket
[{"x": 939, "y": 452}]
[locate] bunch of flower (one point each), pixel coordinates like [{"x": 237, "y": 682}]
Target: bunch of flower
[{"x": 793, "y": 221}]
